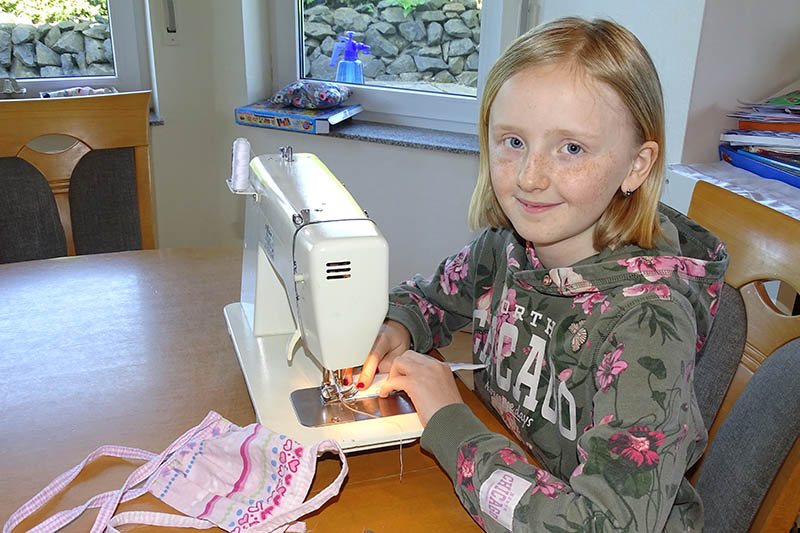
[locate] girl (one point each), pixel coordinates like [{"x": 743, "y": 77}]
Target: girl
[{"x": 587, "y": 304}]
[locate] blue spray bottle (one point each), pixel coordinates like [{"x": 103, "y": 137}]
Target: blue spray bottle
[{"x": 350, "y": 69}]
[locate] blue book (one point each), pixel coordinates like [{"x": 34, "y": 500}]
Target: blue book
[
  {"x": 267, "y": 115},
  {"x": 759, "y": 165}
]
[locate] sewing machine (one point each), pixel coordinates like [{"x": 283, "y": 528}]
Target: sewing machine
[{"x": 314, "y": 294}]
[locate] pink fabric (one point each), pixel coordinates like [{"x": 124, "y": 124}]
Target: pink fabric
[{"x": 220, "y": 474}]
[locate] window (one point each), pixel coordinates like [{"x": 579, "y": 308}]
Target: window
[
  {"x": 59, "y": 44},
  {"x": 428, "y": 58}
]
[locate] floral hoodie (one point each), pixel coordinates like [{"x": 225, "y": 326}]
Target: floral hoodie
[{"x": 590, "y": 366}]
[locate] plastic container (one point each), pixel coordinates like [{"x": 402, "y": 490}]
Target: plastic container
[{"x": 350, "y": 69}]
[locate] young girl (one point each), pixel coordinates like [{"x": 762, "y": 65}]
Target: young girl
[{"x": 587, "y": 304}]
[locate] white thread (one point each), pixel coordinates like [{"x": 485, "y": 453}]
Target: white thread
[{"x": 240, "y": 164}]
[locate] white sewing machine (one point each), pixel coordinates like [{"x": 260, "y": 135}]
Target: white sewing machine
[{"x": 314, "y": 269}]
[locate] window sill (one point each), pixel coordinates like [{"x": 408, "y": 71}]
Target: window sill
[
  {"x": 426, "y": 139},
  {"x": 407, "y": 136}
]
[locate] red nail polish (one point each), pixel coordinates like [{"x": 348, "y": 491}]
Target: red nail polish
[
  {"x": 360, "y": 385},
  {"x": 346, "y": 382}
]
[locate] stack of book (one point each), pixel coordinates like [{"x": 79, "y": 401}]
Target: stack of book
[{"x": 767, "y": 141}]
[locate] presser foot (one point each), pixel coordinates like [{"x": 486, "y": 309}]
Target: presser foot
[{"x": 313, "y": 410}]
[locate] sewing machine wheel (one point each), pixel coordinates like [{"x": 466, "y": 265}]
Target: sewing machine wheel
[{"x": 313, "y": 411}]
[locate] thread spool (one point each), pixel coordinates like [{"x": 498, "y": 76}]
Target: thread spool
[{"x": 240, "y": 165}]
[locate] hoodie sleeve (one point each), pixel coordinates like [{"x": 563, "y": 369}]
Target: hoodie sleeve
[
  {"x": 645, "y": 430},
  {"x": 435, "y": 307}
]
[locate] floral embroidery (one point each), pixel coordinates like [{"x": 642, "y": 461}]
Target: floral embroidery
[
  {"x": 454, "y": 270},
  {"x": 466, "y": 466},
  {"x": 427, "y": 308},
  {"x": 610, "y": 367},
  {"x": 589, "y": 300},
  {"x": 661, "y": 290},
  {"x": 638, "y": 445},
  {"x": 510, "y": 457},
  {"x": 548, "y": 488},
  {"x": 713, "y": 291}
]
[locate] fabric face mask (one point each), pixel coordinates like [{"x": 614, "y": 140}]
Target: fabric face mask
[{"x": 217, "y": 473}]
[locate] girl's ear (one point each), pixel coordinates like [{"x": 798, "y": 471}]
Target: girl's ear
[{"x": 643, "y": 162}]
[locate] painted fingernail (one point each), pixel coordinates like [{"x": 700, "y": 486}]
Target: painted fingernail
[
  {"x": 346, "y": 382},
  {"x": 360, "y": 385}
]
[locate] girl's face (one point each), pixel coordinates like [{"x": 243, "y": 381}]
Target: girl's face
[{"x": 560, "y": 146}]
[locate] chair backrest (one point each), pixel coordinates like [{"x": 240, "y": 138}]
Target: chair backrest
[
  {"x": 99, "y": 188},
  {"x": 750, "y": 476}
]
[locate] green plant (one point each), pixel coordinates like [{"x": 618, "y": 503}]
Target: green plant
[
  {"x": 408, "y": 5},
  {"x": 54, "y": 10}
]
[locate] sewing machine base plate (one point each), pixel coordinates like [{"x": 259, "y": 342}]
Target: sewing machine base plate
[{"x": 312, "y": 411}]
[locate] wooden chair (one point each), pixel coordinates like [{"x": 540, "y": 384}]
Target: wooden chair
[
  {"x": 750, "y": 474},
  {"x": 99, "y": 197}
]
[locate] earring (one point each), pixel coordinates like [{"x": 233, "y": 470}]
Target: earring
[{"x": 627, "y": 192}]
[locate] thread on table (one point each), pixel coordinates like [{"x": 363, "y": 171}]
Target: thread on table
[
  {"x": 345, "y": 403},
  {"x": 240, "y": 164}
]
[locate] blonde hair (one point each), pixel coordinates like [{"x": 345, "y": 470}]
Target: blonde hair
[{"x": 605, "y": 52}]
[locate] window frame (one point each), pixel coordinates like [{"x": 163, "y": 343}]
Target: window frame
[
  {"x": 501, "y": 22},
  {"x": 131, "y": 58}
]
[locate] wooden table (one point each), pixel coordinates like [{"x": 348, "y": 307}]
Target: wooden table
[{"x": 132, "y": 349}]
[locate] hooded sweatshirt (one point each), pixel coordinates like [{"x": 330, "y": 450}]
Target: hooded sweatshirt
[{"x": 590, "y": 366}]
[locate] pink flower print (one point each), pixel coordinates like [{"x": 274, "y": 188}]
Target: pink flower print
[
  {"x": 589, "y": 300},
  {"x": 638, "y": 445},
  {"x": 717, "y": 251},
  {"x": 565, "y": 374},
  {"x": 661, "y": 290},
  {"x": 510, "y": 457},
  {"x": 653, "y": 268},
  {"x": 479, "y": 521},
  {"x": 583, "y": 454},
  {"x": 687, "y": 372},
  {"x": 484, "y": 301},
  {"x": 681, "y": 436},
  {"x": 531, "y": 253},
  {"x": 511, "y": 423},
  {"x": 548, "y": 488},
  {"x": 502, "y": 407},
  {"x": 578, "y": 470},
  {"x": 508, "y": 302},
  {"x": 701, "y": 340},
  {"x": 606, "y": 419},
  {"x": 569, "y": 282},
  {"x": 427, "y": 308},
  {"x": 454, "y": 270},
  {"x": 466, "y": 466},
  {"x": 713, "y": 291},
  {"x": 690, "y": 267},
  {"x": 510, "y": 260},
  {"x": 610, "y": 367}
]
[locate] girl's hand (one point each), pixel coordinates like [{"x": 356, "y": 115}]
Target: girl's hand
[
  {"x": 430, "y": 383},
  {"x": 393, "y": 340}
]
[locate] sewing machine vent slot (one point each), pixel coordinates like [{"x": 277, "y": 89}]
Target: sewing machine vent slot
[{"x": 338, "y": 270}]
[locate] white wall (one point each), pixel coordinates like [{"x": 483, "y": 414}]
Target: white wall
[
  {"x": 746, "y": 52},
  {"x": 669, "y": 30}
]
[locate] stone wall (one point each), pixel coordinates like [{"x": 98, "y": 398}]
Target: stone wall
[
  {"x": 438, "y": 41},
  {"x": 68, "y": 48}
]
